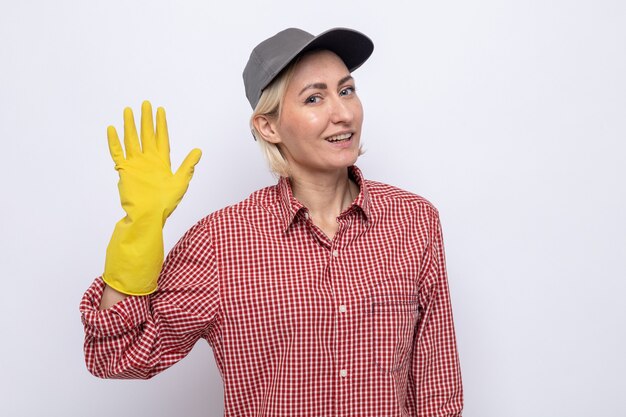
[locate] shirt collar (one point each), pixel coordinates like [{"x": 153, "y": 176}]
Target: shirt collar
[{"x": 289, "y": 208}]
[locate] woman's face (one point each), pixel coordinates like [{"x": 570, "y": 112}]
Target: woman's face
[{"x": 319, "y": 128}]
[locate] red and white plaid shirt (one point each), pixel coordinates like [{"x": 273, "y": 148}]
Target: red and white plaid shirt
[{"x": 300, "y": 325}]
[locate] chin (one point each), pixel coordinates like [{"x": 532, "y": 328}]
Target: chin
[
  {"x": 353, "y": 158},
  {"x": 345, "y": 163}
]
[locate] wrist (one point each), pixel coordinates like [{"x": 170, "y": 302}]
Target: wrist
[{"x": 145, "y": 218}]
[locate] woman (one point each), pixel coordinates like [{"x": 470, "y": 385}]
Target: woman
[{"x": 325, "y": 294}]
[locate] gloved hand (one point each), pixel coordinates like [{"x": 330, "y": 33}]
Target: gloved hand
[{"x": 149, "y": 193}]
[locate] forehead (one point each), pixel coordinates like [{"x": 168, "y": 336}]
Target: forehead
[{"x": 319, "y": 66}]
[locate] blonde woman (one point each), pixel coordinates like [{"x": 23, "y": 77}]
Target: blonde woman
[{"x": 324, "y": 294}]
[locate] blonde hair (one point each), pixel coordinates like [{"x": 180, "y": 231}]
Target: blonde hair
[{"x": 270, "y": 105}]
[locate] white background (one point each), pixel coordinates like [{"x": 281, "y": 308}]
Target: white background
[{"x": 508, "y": 115}]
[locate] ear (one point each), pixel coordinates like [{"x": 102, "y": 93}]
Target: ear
[{"x": 266, "y": 126}]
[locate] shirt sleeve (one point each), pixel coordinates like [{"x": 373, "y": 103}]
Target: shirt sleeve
[
  {"x": 435, "y": 367},
  {"x": 141, "y": 336}
]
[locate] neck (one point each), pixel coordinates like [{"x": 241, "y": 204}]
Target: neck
[{"x": 326, "y": 195}]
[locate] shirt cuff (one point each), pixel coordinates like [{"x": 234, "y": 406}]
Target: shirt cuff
[{"x": 121, "y": 318}]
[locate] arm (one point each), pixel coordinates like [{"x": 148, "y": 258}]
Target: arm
[
  {"x": 127, "y": 331},
  {"x": 141, "y": 336},
  {"x": 435, "y": 369},
  {"x": 110, "y": 297}
]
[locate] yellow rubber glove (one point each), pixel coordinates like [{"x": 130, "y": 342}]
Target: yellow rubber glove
[{"x": 149, "y": 193}]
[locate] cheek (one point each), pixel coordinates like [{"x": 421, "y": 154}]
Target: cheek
[
  {"x": 358, "y": 111},
  {"x": 304, "y": 125},
  {"x": 310, "y": 122}
]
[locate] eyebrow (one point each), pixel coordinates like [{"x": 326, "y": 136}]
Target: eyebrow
[{"x": 323, "y": 86}]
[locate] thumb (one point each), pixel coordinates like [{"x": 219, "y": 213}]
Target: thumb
[{"x": 186, "y": 168}]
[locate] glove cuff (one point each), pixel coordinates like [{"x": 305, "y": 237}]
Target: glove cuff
[{"x": 134, "y": 256}]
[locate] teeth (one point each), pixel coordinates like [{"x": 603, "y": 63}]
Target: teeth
[{"x": 337, "y": 138}]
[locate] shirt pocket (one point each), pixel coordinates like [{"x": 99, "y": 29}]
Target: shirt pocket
[{"x": 393, "y": 318}]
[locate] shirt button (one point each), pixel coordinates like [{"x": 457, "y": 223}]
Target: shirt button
[
  {"x": 342, "y": 308},
  {"x": 306, "y": 216},
  {"x": 343, "y": 373},
  {"x": 335, "y": 253}
]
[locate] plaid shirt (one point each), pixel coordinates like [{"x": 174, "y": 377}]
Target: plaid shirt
[{"x": 300, "y": 324}]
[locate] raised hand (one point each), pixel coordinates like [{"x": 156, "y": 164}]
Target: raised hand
[
  {"x": 149, "y": 193},
  {"x": 147, "y": 185}
]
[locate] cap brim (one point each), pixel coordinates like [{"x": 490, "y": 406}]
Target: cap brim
[{"x": 353, "y": 47}]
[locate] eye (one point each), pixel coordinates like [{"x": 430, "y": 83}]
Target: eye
[
  {"x": 312, "y": 99},
  {"x": 347, "y": 91}
]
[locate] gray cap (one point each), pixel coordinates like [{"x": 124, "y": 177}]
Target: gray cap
[{"x": 273, "y": 54}]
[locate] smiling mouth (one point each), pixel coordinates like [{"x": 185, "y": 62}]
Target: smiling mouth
[{"x": 339, "y": 138}]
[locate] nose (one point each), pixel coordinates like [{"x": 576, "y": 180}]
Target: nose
[{"x": 341, "y": 111}]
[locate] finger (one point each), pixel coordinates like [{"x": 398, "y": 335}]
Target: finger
[
  {"x": 131, "y": 142},
  {"x": 187, "y": 167},
  {"x": 162, "y": 136},
  {"x": 147, "y": 128},
  {"x": 115, "y": 148}
]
